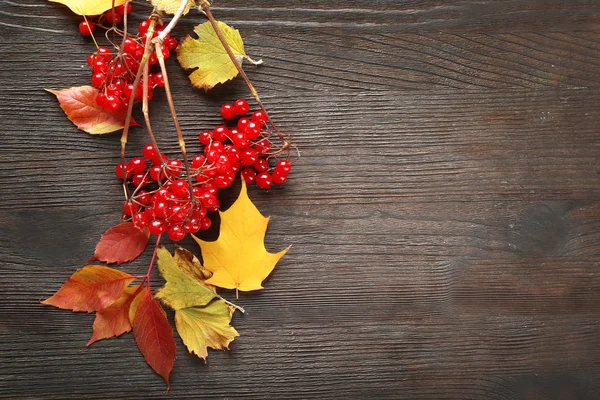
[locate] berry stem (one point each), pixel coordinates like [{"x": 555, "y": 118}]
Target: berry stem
[
  {"x": 205, "y": 8},
  {"x": 136, "y": 82},
  {"x": 91, "y": 33},
  {"x": 161, "y": 36},
  {"x": 124, "y": 23},
  {"x": 161, "y": 61},
  {"x": 152, "y": 260}
]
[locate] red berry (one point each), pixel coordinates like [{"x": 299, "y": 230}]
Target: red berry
[
  {"x": 137, "y": 165},
  {"x": 233, "y": 154},
  {"x": 227, "y": 111},
  {"x": 252, "y": 130},
  {"x": 121, "y": 9},
  {"x": 99, "y": 66},
  {"x": 261, "y": 165},
  {"x": 143, "y": 197},
  {"x": 143, "y": 27},
  {"x": 225, "y": 180},
  {"x": 130, "y": 46},
  {"x": 104, "y": 53},
  {"x": 113, "y": 90},
  {"x": 241, "y": 125},
  {"x": 100, "y": 98},
  {"x": 264, "y": 180},
  {"x": 153, "y": 60},
  {"x": 259, "y": 117},
  {"x": 283, "y": 166},
  {"x": 220, "y": 133},
  {"x": 140, "y": 180},
  {"x": 113, "y": 18},
  {"x": 205, "y": 223},
  {"x": 157, "y": 226},
  {"x": 149, "y": 153},
  {"x": 98, "y": 80},
  {"x": 165, "y": 52},
  {"x": 175, "y": 167},
  {"x": 180, "y": 188},
  {"x": 249, "y": 175},
  {"x": 129, "y": 208},
  {"x": 158, "y": 79},
  {"x": 86, "y": 28},
  {"x": 239, "y": 139},
  {"x": 141, "y": 219},
  {"x": 176, "y": 232},
  {"x": 248, "y": 156},
  {"x": 120, "y": 168},
  {"x": 112, "y": 103},
  {"x": 262, "y": 146},
  {"x": 160, "y": 208},
  {"x": 279, "y": 177},
  {"x": 170, "y": 43},
  {"x": 241, "y": 107},
  {"x": 205, "y": 137},
  {"x": 197, "y": 162}
]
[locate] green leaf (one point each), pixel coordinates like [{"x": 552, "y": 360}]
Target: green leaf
[
  {"x": 208, "y": 55},
  {"x": 181, "y": 290}
]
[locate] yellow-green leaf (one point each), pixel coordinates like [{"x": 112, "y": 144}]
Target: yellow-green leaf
[
  {"x": 181, "y": 290},
  {"x": 203, "y": 327},
  {"x": 238, "y": 258},
  {"x": 171, "y": 6},
  {"x": 208, "y": 55},
  {"x": 89, "y": 7}
]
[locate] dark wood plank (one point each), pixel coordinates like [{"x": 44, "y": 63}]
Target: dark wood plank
[{"x": 444, "y": 211}]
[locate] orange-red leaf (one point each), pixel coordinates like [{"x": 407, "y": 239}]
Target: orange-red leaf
[
  {"x": 113, "y": 320},
  {"x": 79, "y": 103},
  {"x": 121, "y": 243},
  {"x": 153, "y": 334},
  {"x": 91, "y": 288}
]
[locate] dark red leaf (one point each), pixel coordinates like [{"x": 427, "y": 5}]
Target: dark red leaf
[
  {"x": 153, "y": 333},
  {"x": 121, "y": 243},
  {"x": 91, "y": 288}
]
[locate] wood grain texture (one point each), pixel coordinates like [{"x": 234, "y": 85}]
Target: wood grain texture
[{"x": 444, "y": 212}]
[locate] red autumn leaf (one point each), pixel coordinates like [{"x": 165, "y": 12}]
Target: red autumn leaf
[
  {"x": 121, "y": 243},
  {"x": 114, "y": 320},
  {"x": 91, "y": 288},
  {"x": 153, "y": 333},
  {"x": 79, "y": 103}
]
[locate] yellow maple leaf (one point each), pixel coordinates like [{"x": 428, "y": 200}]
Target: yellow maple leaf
[
  {"x": 202, "y": 327},
  {"x": 171, "y": 6},
  {"x": 238, "y": 258},
  {"x": 208, "y": 55},
  {"x": 89, "y": 7},
  {"x": 181, "y": 290}
]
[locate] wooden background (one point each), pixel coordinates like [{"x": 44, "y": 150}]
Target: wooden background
[{"x": 444, "y": 213}]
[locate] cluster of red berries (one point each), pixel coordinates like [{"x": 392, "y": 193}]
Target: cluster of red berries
[
  {"x": 87, "y": 27},
  {"x": 175, "y": 208},
  {"x": 113, "y": 74}
]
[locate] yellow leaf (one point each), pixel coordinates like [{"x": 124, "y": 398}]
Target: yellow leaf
[
  {"x": 202, "y": 327},
  {"x": 89, "y": 7},
  {"x": 208, "y": 55},
  {"x": 181, "y": 290},
  {"x": 238, "y": 258},
  {"x": 171, "y": 6}
]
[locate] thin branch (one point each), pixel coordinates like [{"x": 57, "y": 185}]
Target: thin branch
[
  {"x": 161, "y": 61},
  {"x": 161, "y": 36},
  {"x": 285, "y": 140}
]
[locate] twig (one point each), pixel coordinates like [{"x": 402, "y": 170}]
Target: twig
[
  {"x": 205, "y": 8},
  {"x": 181, "y": 141},
  {"x": 161, "y": 36}
]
